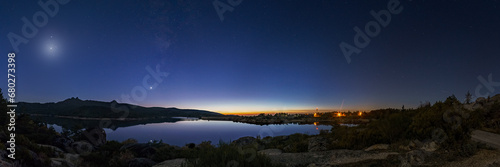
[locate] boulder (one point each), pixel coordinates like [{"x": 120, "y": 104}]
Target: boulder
[
  {"x": 141, "y": 162},
  {"x": 3, "y": 154},
  {"x": 34, "y": 158},
  {"x": 58, "y": 152},
  {"x": 404, "y": 148},
  {"x": 82, "y": 147},
  {"x": 317, "y": 144},
  {"x": 416, "y": 157},
  {"x": 95, "y": 136},
  {"x": 73, "y": 158},
  {"x": 377, "y": 147},
  {"x": 5, "y": 164},
  {"x": 271, "y": 152},
  {"x": 60, "y": 162},
  {"x": 63, "y": 142}
]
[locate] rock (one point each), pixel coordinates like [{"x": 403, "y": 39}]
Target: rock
[
  {"x": 416, "y": 157},
  {"x": 63, "y": 142},
  {"x": 171, "y": 163},
  {"x": 317, "y": 144},
  {"x": 34, "y": 158},
  {"x": 404, "y": 148},
  {"x": 244, "y": 141},
  {"x": 60, "y": 162},
  {"x": 69, "y": 160},
  {"x": 271, "y": 152},
  {"x": 82, "y": 147},
  {"x": 5, "y": 164},
  {"x": 56, "y": 149},
  {"x": 73, "y": 158},
  {"x": 430, "y": 146},
  {"x": 141, "y": 162},
  {"x": 377, "y": 147},
  {"x": 3, "y": 154},
  {"x": 95, "y": 136}
]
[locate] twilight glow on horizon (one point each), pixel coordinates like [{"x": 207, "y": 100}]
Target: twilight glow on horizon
[{"x": 258, "y": 56}]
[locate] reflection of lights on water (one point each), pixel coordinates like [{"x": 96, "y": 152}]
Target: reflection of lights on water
[{"x": 316, "y": 124}]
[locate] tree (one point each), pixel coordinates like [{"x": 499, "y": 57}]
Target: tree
[{"x": 468, "y": 98}]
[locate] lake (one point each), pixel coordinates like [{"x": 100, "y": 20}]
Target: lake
[{"x": 196, "y": 130}]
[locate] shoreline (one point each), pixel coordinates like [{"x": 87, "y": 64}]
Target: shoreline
[{"x": 98, "y": 119}]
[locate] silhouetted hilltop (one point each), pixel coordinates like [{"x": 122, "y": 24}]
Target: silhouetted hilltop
[{"x": 74, "y": 107}]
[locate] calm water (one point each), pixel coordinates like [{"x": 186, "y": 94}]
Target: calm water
[{"x": 195, "y": 131}]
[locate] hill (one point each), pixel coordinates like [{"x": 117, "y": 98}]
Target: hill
[{"x": 74, "y": 107}]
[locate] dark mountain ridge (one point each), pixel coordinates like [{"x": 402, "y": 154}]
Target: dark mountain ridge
[{"x": 74, "y": 107}]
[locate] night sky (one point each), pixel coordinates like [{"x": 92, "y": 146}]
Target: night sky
[{"x": 263, "y": 55}]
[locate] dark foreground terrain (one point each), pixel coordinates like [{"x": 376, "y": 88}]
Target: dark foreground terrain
[{"x": 446, "y": 133}]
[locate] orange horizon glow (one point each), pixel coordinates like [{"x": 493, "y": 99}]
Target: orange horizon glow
[
  {"x": 253, "y": 113},
  {"x": 266, "y": 112}
]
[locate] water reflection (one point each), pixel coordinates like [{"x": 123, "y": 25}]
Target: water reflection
[{"x": 186, "y": 131}]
